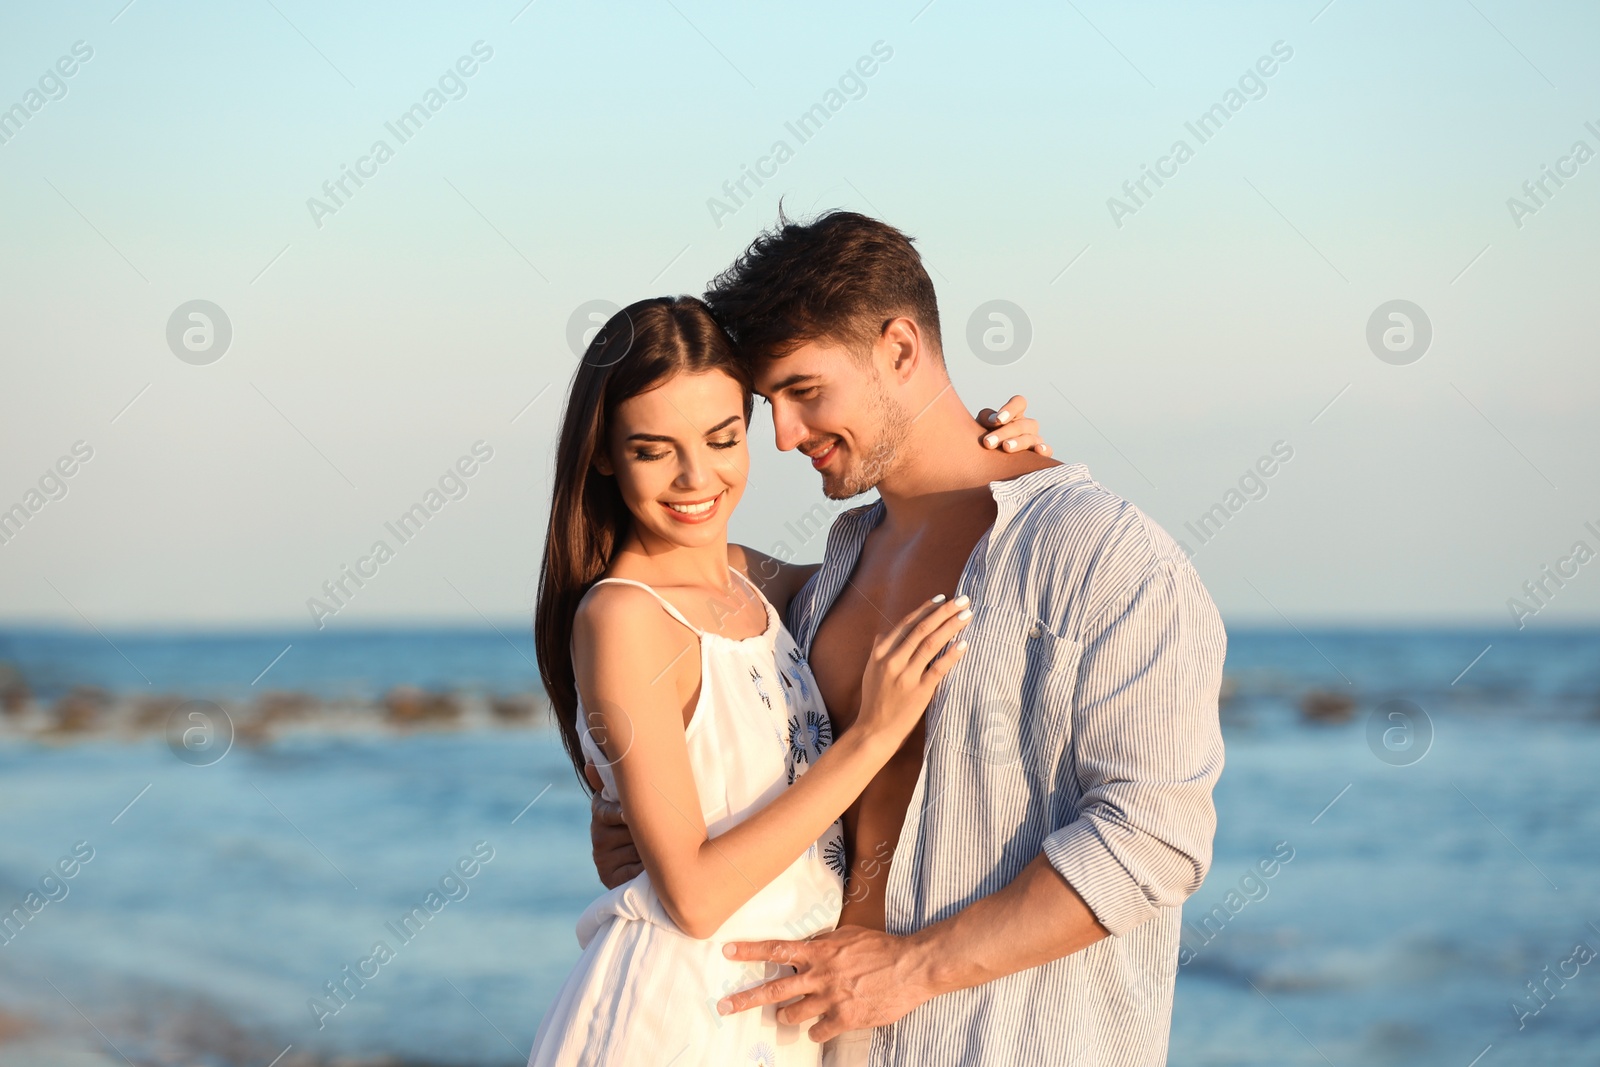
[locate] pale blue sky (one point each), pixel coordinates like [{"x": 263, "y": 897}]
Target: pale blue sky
[{"x": 370, "y": 353}]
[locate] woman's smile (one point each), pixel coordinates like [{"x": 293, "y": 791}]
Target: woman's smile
[{"x": 694, "y": 511}]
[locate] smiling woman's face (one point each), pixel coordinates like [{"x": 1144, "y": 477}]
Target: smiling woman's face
[{"x": 680, "y": 458}]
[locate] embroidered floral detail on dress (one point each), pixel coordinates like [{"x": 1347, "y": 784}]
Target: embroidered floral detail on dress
[
  {"x": 763, "y": 1055},
  {"x": 802, "y": 673},
  {"x": 798, "y": 753},
  {"x": 819, "y": 731},
  {"x": 833, "y": 852},
  {"x": 809, "y": 733},
  {"x": 761, "y": 690}
]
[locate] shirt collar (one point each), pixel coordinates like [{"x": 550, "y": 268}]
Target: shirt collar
[
  {"x": 1009, "y": 493},
  {"x": 1025, "y": 485}
]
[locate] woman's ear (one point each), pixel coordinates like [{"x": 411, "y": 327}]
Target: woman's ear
[{"x": 602, "y": 463}]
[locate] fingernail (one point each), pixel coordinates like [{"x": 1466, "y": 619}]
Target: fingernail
[
  {"x": 963, "y": 600},
  {"x": 722, "y": 1008},
  {"x": 991, "y": 441},
  {"x": 961, "y": 645},
  {"x": 965, "y": 615},
  {"x": 1011, "y": 446},
  {"x": 939, "y": 599},
  {"x": 1005, "y": 416}
]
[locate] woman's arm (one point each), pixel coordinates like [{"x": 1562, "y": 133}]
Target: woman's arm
[
  {"x": 615, "y": 858},
  {"x": 623, "y": 646}
]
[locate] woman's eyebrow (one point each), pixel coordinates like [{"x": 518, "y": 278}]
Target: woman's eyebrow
[{"x": 665, "y": 439}]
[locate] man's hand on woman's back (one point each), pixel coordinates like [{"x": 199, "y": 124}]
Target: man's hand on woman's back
[{"x": 615, "y": 858}]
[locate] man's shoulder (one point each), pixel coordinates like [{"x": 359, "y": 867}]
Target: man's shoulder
[
  {"x": 1076, "y": 512},
  {"x": 1068, "y": 491},
  {"x": 1092, "y": 542}
]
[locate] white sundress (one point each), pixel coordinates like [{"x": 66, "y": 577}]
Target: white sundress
[{"x": 644, "y": 992}]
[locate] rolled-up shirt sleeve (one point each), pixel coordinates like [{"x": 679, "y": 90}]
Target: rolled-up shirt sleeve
[{"x": 1146, "y": 745}]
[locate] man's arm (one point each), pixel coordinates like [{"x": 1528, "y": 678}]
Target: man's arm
[
  {"x": 1037, "y": 918},
  {"x": 1148, "y": 750},
  {"x": 616, "y": 858},
  {"x": 853, "y": 978}
]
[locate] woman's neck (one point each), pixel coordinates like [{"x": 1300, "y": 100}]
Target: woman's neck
[{"x": 659, "y": 562}]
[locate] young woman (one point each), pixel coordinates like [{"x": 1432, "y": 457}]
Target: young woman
[{"x": 672, "y": 672}]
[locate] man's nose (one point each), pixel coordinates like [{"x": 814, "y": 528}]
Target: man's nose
[{"x": 787, "y": 428}]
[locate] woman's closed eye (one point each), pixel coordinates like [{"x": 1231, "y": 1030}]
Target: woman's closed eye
[{"x": 729, "y": 443}]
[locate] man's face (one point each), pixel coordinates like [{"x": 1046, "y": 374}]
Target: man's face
[{"x": 839, "y": 411}]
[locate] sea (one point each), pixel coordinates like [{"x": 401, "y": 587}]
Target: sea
[{"x": 1406, "y": 866}]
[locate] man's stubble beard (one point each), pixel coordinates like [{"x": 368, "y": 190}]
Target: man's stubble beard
[{"x": 894, "y": 427}]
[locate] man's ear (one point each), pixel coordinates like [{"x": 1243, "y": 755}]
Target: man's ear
[{"x": 902, "y": 342}]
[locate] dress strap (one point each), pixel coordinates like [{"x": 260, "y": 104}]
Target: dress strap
[
  {"x": 674, "y": 612},
  {"x": 753, "y": 588}
]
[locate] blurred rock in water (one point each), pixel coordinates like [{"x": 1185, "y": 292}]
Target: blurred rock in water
[
  {"x": 1229, "y": 691},
  {"x": 277, "y": 706},
  {"x": 80, "y": 709},
  {"x": 154, "y": 711},
  {"x": 408, "y": 705},
  {"x": 13, "y": 690},
  {"x": 89, "y": 713},
  {"x": 513, "y": 707},
  {"x": 274, "y": 709},
  {"x": 13, "y": 1027},
  {"x": 1327, "y": 706}
]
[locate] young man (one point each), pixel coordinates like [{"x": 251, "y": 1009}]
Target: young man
[{"x": 1017, "y": 870}]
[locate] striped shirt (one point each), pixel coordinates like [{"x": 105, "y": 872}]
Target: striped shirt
[{"x": 1082, "y": 723}]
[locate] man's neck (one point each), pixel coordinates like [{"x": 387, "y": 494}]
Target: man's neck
[{"x": 943, "y": 464}]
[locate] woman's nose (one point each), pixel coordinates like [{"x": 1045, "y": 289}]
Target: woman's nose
[{"x": 691, "y": 473}]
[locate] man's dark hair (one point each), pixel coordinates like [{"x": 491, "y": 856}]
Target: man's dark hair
[{"x": 838, "y": 278}]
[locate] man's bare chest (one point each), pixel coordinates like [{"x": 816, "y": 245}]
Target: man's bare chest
[{"x": 889, "y": 580}]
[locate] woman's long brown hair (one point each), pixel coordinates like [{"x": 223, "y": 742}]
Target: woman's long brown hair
[{"x": 638, "y": 348}]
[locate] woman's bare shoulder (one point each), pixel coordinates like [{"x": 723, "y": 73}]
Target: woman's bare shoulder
[{"x": 615, "y": 618}]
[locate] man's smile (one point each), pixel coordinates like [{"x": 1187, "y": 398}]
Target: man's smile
[{"x": 819, "y": 458}]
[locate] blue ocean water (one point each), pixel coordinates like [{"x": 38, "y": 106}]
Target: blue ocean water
[
  {"x": 1421, "y": 898},
  {"x": 329, "y": 664}
]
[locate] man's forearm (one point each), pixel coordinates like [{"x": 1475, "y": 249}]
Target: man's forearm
[{"x": 1035, "y": 919}]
